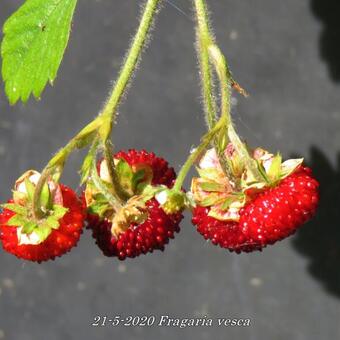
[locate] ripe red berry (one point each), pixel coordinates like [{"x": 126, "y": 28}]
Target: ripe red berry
[
  {"x": 270, "y": 216},
  {"x": 152, "y": 234},
  {"x": 59, "y": 241},
  {"x": 279, "y": 212},
  {"x": 156, "y": 229}
]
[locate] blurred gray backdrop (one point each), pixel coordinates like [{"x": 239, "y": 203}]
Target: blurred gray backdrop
[{"x": 287, "y": 55}]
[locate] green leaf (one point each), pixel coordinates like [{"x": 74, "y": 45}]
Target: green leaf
[
  {"x": 16, "y": 208},
  {"x": 17, "y": 221},
  {"x": 59, "y": 211},
  {"x": 30, "y": 188},
  {"x": 35, "y": 38}
]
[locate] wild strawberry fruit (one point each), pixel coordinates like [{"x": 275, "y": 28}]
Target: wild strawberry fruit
[
  {"x": 54, "y": 233},
  {"x": 247, "y": 213},
  {"x": 136, "y": 223}
]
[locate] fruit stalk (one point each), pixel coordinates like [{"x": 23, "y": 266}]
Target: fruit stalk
[
  {"x": 204, "y": 39},
  {"x": 131, "y": 60},
  {"x": 211, "y": 54},
  {"x": 206, "y": 140},
  {"x": 102, "y": 125},
  {"x": 225, "y": 79}
]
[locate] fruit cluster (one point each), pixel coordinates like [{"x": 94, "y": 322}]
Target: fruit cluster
[
  {"x": 242, "y": 200},
  {"x": 247, "y": 220}
]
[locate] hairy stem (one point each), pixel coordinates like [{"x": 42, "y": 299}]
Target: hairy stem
[
  {"x": 211, "y": 54},
  {"x": 203, "y": 40},
  {"x": 131, "y": 59},
  {"x": 206, "y": 140},
  {"x": 226, "y": 82},
  {"x": 117, "y": 188},
  {"x": 102, "y": 125},
  {"x": 36, "y": 207}
]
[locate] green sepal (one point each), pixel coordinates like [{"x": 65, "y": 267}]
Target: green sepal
[
  {"x": 150, "y": 191},
  {"x": 231, "y": 199},
  {"x": 131, "y": 182},
  {"x": 29, "y": 227},
  {"x": 17, "y": 221},
  {"x": 43, "y": 227},
  {"x": 16, "y": 208},
  {"x": 209, "y": 174},
  {"x": 212, "y": 187},
  {"x": 262, "y": 171},
  {"x": 175, "y": 200},
  {"x": 136, "y": 180},
  {"x": 211, "y": 200},
  {"x": 43, "y": 232},
  {"x": 100, "y": 205},
  {"x": 52, "y": 222},
  {"x": 58, "y": 211},
  {"x": 45, "y": 197},
  {"x": 30, "y": 188},
  {"x": 274, "y": 171},
  {"x": 125, "y": 176}
]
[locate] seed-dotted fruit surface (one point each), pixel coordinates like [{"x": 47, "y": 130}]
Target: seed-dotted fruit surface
[
  {"x": 59, "y": 242},
  {"x": 271, "y": 216},
  {"x": 158, "y": 228}
]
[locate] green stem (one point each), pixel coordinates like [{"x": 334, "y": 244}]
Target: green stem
[
  {"x": 102, "y": 124},
  {"x": 206, "y": 140},
  {"x": 36, "y": 206},
  {"x": 226, "y": 82},
  {"x": 118, "y": 191},
  {"x": 131, "y": 61},
  {"x": 203, "y": 40},
  {"x": 220, "y": 64},
  {"x": 101, "y": 186}
]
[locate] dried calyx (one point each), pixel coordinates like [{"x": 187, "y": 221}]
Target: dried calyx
[
  {"x": 135, "y": 184},
  {"x": 227, "y": 196}
]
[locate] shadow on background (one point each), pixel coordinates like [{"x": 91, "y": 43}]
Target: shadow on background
[
  {"x": 328, "y": 11},
  {"x": 319, "y": 241}
]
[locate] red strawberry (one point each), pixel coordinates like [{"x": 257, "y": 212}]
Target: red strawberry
[
  {"x": 278, "y": 212},
  {"x": 225, "y": 234},
  {"x": 156, "y": 227},
  {"x": 270, "y": 216},
  {"x": 152, "y": 234},
  {"x": 59, "y": 241}
]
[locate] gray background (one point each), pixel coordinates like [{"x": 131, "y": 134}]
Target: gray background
[{"x": 286, "y": 53}]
